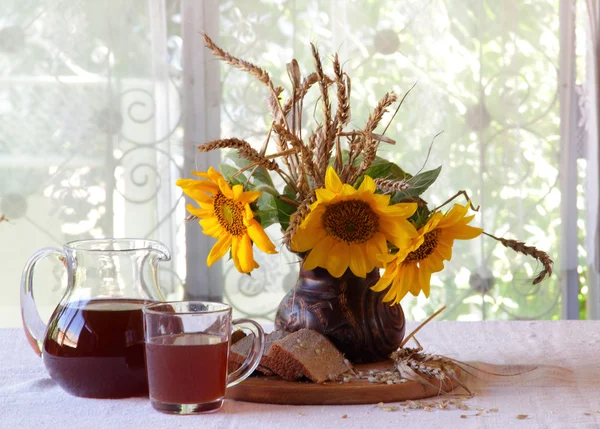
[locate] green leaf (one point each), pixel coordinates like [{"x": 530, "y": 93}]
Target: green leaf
[
  {"x": 260, "y": 175},
  {"x": 266, "y": 212},
  {"x": 228, "y": 171},
  {"x": 285, "y": 210},
  {"x": 418, "y": 185},
  {"x": 384, "y": 169}
]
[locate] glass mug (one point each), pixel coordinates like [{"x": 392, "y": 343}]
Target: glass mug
[{"x": 187, "y": 349}]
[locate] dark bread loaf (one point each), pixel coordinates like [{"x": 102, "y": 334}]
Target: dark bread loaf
[
  {"x": 237, "y": 336},
  {"x": 239, "y": 351},
  {"x": 307, "y": 353}
]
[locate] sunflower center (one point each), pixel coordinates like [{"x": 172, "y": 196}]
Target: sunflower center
[
  {"x": 230, "y": 214},
  {"x": 352, "y": 221},
  {"x": 430, "y": 242}
]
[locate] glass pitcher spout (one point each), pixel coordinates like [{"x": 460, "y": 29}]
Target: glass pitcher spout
[{"x": 160, "y": 249}]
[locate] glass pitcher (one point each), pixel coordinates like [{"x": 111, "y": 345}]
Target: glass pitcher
[{"x": 93, "y": 345}]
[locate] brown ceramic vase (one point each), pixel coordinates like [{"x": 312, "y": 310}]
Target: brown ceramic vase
[{"x": 347, "y": 311}]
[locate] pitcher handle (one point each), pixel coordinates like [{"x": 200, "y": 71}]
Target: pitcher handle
[
  {"x": 254, "y": 357},
  {"x": 35, "y": 328}
]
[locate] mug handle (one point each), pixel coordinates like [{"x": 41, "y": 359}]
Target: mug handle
[
  {"x": 254, "y": 357},
  {"x": 35, "y": 328}
]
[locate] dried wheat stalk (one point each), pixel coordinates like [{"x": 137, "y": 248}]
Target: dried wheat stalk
[
  {"x": 261, "y": 74},
  {"x": 381, "y": 108},
  {"x": 387, "y": 185},
  {"x": 243, "y": 148},
  {"x": 298, "y": 217},
  {"x": 247, "y": 66},
  {"x": 343, "y": 96},
  {"x": 298, "y": 145},
  {"x": 313, "y": 140},
  {"x": 273, "y": 104},
  {"x": 325, "y": 141},
  {"x": 370, "y": 144},
  {"x": 301, "y": 91},
  {"x": 520, "y": 247},
  {"x": 329, "y": 137},
  {"x": 415, "y": 365}
]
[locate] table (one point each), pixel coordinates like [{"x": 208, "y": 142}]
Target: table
[{"x": 563, "y": 392}]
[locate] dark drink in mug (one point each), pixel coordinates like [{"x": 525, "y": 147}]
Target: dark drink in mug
[
  {"x": 187, "y": 368},
  {"x": 187, "y": 349}
]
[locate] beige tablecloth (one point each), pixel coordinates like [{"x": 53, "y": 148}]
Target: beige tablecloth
[{"x": 563, "y": 392}]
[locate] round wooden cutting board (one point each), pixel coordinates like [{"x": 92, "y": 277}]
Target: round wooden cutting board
[{"x": 274, "y": 390}]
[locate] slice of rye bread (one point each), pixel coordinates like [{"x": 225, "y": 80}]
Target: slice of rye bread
[
  {"x": 307, "y": 353},
  {"x": 239, "y": 351},
  {"x": 237, "y": 336}
]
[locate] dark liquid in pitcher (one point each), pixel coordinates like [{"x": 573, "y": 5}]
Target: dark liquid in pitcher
[{"x": 95, "y": 349}]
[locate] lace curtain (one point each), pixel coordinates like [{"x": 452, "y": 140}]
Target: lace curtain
[
  {"x": 102, "y": 103},
  {"x": 487, "y": 76},
  {"x": 90, "y": 133}
]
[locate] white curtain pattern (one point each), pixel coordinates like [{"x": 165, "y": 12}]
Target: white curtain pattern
[
  {"x": 102, "y": 104},
  {"x": 90, "y": 133},
  {"x": 487, "y": 75}
]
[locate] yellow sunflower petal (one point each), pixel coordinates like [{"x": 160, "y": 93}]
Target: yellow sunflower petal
[
  {"x": 399, "y": 232},
  {"x": 358, "y": 261},
  {"x": 434, "y": 262},
  {"x": 219, "y": 250},
  {"x": 260, "y": 238},
  {"x": 391, "y": 270},
  {"x": 235, "y": 246},
  {"x": 367, "y": 185},
  {"x": 444, "y": 249},
  {"x": 226, "y": 189},
  {"x": 237, "y": 190},
  {"x": 200, "y": 212},
  {"x": 249, "y": 196},
  {"x": 211, "y": 174},
  {"x": 382, "y": 284},
  {"x": 374, "y": 247},
  {"x": 244, "y": 255},
  {"x": 203, "y": 174},
  {"x": 323, "y": 196},
  {"x": 338, "y": 260},
  {"x": 332, "y": 180},
  {"x": 211, "y": 226},
  {"x": 381, "y": 201},
  {"x": 313, "y": 222},
  {"x": 405, "y": 210},
  {"x": 411, "y": 278},
  {"x": 397, "y": 289},
  {"x": 424, "y": 280},
  {"x": 198, "y": 195},
  {"x": 454, "y": 215},
  {"x": 305, "y": 240},
  {"x": 347, "y": 190},
  {"x": 202, "y": 185},
  {"x": 214, "y": 175},
  {"x": 319, "y": 254},
  {"x": 463, "y": 232}
]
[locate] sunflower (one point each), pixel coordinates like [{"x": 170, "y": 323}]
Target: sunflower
[
  {"x": 348, "y": 227},
  {"x": 226, "y": 215},
  {"x": 410, "y": 269}
]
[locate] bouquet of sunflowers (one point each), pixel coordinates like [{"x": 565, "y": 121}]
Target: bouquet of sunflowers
[{"x": 338, "y": 204}]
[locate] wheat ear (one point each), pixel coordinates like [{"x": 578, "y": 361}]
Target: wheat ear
[
  {"x": 247, "y": 66},
  {"x": 520, "y": 247},
  {"x": 298, "y": 217},
  {"x": 244, "y": 149},
  {"x": 387, "y": 185}
]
